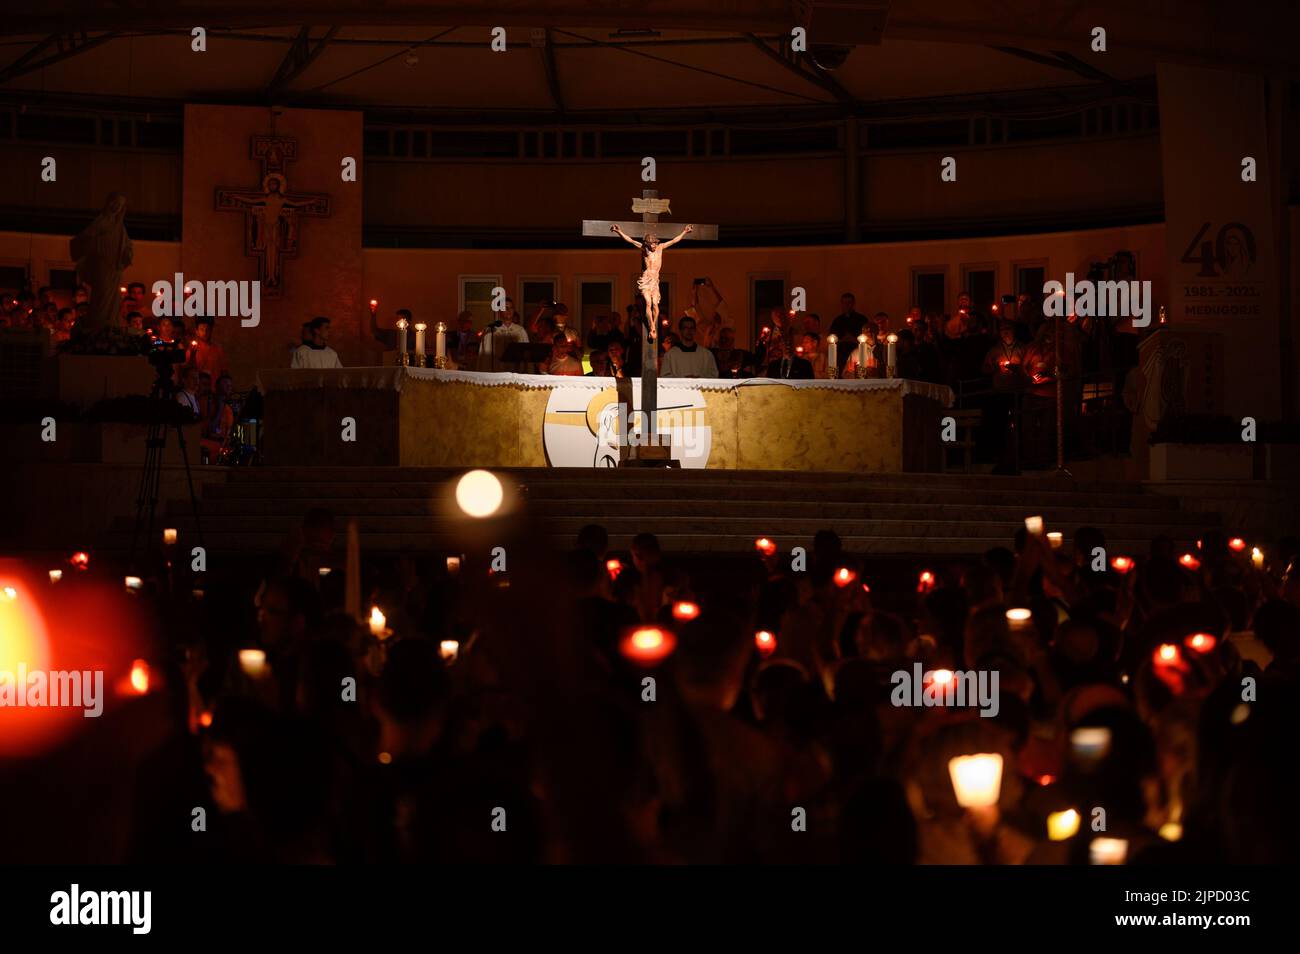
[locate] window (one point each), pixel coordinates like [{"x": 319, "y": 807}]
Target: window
[
  {"x": 929, "y": 289},
  {"x": 1029, "y": 277},
  {"x": 981, "y": 283},
  {"x": 596, "y": 296},
  {"x": 765, "y": 293},
  {"x": 476, "y": 296},
  {"x": 534, "y": 292}
]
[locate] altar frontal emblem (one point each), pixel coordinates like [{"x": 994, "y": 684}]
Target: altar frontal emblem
[{"x": 582, "y": 427}]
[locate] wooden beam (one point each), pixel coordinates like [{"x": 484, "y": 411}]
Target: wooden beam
[
  {"x": 28, "y": 63},
  {"x": 821, "y": 80},
  {"x": 300, "y": 55}
]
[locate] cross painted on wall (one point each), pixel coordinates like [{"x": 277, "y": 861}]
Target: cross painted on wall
[{"x": 271, "y": 215}]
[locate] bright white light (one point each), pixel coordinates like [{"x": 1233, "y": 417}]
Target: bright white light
[{"x": 479, "y": 493}]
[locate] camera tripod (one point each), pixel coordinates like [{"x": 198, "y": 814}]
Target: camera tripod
[{"x": 162, "y": 412}]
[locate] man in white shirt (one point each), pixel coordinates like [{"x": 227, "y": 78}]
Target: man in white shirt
[
  {"x": 687, "y": 358},
  {"x": 497, "y": 337},
  {"x": 188, "y": 395},
  {"x": 316, "y": 353}
]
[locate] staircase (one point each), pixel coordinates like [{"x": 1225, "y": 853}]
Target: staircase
[{"x": 692, "y": 512}]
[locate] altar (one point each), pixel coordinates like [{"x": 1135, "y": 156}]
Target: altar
[{"x": 422, "y": 417}]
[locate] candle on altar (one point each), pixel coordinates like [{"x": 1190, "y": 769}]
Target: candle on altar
[
  {"x": 862, "y": 351},
  {"x": 976, "y": 779},
  {"x": 832, "y": 352},
  {"x": 402, "y": 325},
  {"x": 169, "y": 536},
  {"x": 420, "y": 328},
  {"x": 891, "y": 356},
  {"x": 440, "y": 342}
]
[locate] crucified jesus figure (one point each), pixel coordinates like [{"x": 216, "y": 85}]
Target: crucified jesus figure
[{"x": 652, "y": 257}]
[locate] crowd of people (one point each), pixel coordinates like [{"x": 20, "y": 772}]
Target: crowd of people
[{"x": 633, "y": 707}]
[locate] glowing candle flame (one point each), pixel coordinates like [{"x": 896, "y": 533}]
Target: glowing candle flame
[
  {"x": 1107, "y": 851},
  {"x": 1257, "y": 558},
  {"x": 253, "y": 662},
  {"x": 378, "y": 623},
  {"x": 1189, "y": 561},
  {"x": 765, "y": 642},
  {"x": 976, "y": 779},
  {"x": 169, "y": 536},
  {"x": 56, "y": 575},
  {"x": 1201, "y": 642},
  {"x": 1167, "y": 653},
  {"x": 613, "y": 568},
  {"x": 449, "y": 649},
  {"x": 685, "y": 610},
  {"x": 1121, "y": 564},
  {"x": 765, "y": 546},
  {"x": 1062, "y": 826},
  {"x": 648, "y": 645},
  {"x": 844, "y": 576},
  {"x": 81, "y": 560},
  {"x": 1237, "y": 544},
  {"x": 140, "y": 676}
]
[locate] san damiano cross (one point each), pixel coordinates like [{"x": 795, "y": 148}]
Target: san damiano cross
[
  {"x": 650, "y": 207},
  {"x": 271, "y": 215}
]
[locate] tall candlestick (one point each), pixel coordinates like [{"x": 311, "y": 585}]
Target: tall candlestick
[
  {"x": 862, "y": 355},
  {"x": 832, "y": 355},
  {"x": 891, "y": 356},
  {"x": 420, "y": 327},
  {"x": 440, "y": 345},
  {"x": 402, "y": 325}
]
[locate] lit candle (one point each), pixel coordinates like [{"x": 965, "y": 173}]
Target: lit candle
[
  {"x": 1107, "y": 851},
  {"x": 453, "y": 565},
  {"x": 765, "y": 642},
  {"x": 648, "y": 645},
  {"x": 976, "y": 779},
  {"x": 374, "y": 304},
  {"x": 862, "y": 351},
  {"x": 169, "y": 536},
  {"x": 253, "y": 663},
  {"x": 1237, "y": 544},
  {"x": 832, "y": 352},
  {"x": 449, "y": 649},
  {"x": 402, "y": 325},
  {"x": 56, "y": 575},
  {"x": 1257, "y": 558},
  {"x": 614, "y": 568},
  {"x": 1062, "y": 826},
  {"x": 1055, "y": 539},
  {"x": 844, "y": 576},
  {"x": 324, "y": 571},
  {"x": 1121, "y": 564},
  {"x": 1034, "y": 525},
  {"x": 685, "y": 610},
  {"x": 378, "y": 623},
  {"x": 1090, "y": 742},
  {"x": 81, "y": 560},
  {"x": 133, "y": 583},
  {"x": 925, "y": 582},
  {"x": 1019, "y": 619},
  {"x": 765, "y": 546},
  {"x": 1189, "y": 562},
  {"x": 139, "y": 678},
  {"x": 1200, "y": 642},
  {"x": 420, "y": 327},
  {"x": 440, "y": 342},
  {"x": 891, "y": 356}
]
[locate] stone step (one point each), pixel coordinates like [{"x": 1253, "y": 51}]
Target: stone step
[
  {"x": 222, "y": 541},
  {"x": 861, "y": 493},
  {"x": 596, "y": 509}
]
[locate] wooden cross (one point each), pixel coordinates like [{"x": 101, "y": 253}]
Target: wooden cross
[
  {"x": 271, "y": 215},
  {"x": 649, "y": 206}
]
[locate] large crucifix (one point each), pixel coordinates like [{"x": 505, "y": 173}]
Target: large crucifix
[
  {"x": 649, "y": 206},
  {"x": 271, "y": 215}
]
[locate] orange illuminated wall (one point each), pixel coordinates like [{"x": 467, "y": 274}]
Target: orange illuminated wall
[{"x": 325, "y": 277}]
